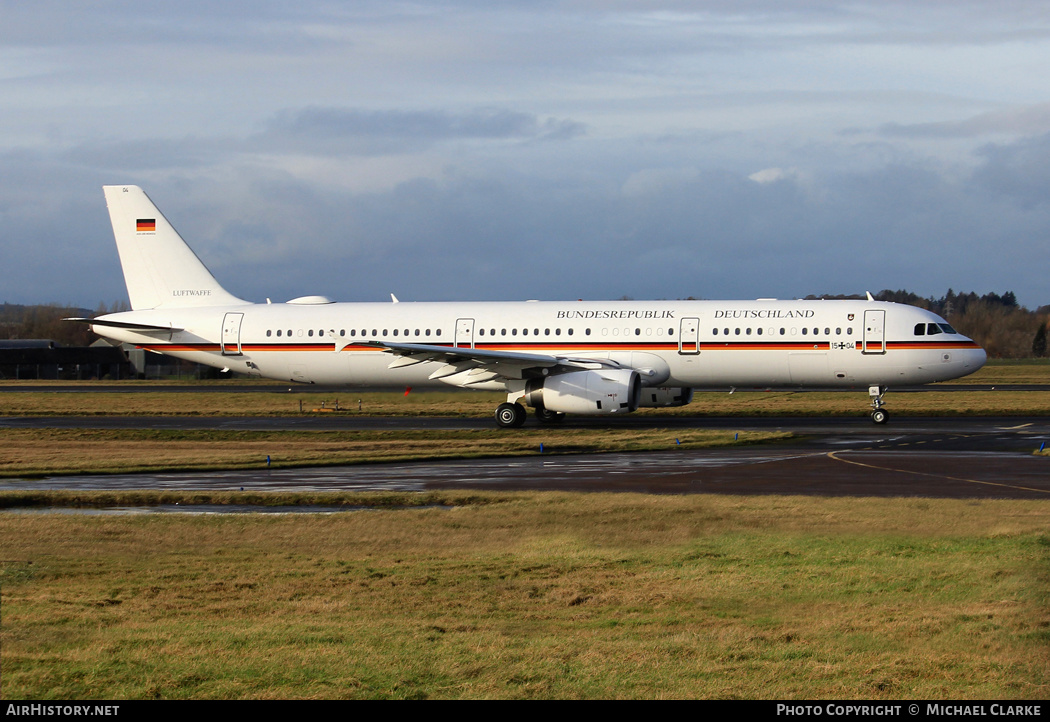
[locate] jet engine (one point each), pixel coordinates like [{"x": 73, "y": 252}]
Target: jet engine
[
  {"x": 665, "y": 396},
  {"x": 604, "y": 391}
]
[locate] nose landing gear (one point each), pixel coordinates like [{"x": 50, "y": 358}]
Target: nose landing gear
[{"x": 879, "y": 415}]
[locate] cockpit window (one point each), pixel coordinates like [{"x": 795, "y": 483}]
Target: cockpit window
[
  {"x": 947, "y": 328},
  {"x": 920, "y": 329},
  {"x": 932, "y": 328}
]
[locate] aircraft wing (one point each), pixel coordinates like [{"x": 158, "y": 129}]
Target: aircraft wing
[{"x": 483, "y": 365}]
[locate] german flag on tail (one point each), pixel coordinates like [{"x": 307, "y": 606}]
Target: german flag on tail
[{"x": 146, "y": 225}]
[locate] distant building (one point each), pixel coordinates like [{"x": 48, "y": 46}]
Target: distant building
[{"x": 46, "y": 359}]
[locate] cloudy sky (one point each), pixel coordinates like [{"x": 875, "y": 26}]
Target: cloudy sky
[{"x": 476, "y": 149}]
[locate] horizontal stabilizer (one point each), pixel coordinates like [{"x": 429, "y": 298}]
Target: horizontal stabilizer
[{"x": 144, "y": 327}]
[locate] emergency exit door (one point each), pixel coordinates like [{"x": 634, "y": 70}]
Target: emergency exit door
[
  {"x": 689, "y": 336},
  {"x": 231, "y": 334},
  {"x": 465, "y": 333},
  {"x": 874, "y": 332}
]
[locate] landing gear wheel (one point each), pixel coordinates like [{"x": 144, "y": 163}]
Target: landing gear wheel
[
  {"x": 547, "y": 416},
  {"x": 879, "y": 415},
  {"x": 510, "y": 416}
]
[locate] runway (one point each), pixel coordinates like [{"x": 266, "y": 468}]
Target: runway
[{"x": 958, "y": 457}]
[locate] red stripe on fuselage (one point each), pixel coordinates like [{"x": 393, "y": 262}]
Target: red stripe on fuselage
[{"x": 577, "y": 347}]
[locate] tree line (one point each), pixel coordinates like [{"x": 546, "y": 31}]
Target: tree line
[{"x": 45, "y": 322}]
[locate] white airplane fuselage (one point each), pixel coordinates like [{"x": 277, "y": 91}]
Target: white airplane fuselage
[
  {"x": 684, "y": 343},
  {"x": 595, "y": 357}
]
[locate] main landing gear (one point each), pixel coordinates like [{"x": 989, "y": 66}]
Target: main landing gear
[
  {"x": 878, "y": 414},
  {"x": 546, "y": 416},
  {"x": 510, "y": 416}
]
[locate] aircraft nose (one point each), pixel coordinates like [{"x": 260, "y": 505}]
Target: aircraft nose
[{"x": 976, "y": 358}]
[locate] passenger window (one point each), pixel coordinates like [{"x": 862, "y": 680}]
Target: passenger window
[
  {"x": 805, "y": 331},
  {"x": 310, "y": 332}
]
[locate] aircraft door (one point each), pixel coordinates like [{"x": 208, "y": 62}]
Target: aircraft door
[
  {"x": 689, "y": 336},
  {"x": 465, "y": 333},
  {"x": 874, "y": 332},
  {"x": 231, "y": 334}
]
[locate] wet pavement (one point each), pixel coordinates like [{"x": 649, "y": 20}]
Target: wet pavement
[{"x": 958, "y": 457}]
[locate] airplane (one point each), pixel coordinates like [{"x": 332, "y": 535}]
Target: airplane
[{"x": 576, "y": 357}]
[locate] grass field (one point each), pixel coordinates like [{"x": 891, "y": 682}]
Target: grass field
[
  {"x": 1002, "y": 401},
  {"x": 535, "y": 596},
  {"x": 283, "y": 400},
  {"x": 508, "y": 595},
  {"x": 40, "y": 452}
]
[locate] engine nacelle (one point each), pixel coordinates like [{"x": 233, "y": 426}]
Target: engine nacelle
[
  {"x": 605, "y": 391},
  {"x": 665, "y": 396}
]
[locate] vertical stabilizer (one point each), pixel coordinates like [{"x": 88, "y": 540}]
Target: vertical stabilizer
[{"x": 160, "y": 270}]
